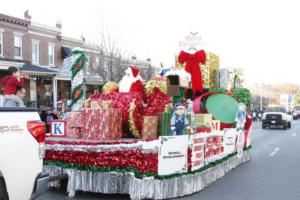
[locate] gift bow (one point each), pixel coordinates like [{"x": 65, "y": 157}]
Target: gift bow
[{"x": 192, "y": 66}]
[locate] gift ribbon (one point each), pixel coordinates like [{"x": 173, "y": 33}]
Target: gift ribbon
[{"x": 192, "y": 66}]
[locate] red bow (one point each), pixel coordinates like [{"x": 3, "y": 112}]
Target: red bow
[{"x": 192, "y": 66}]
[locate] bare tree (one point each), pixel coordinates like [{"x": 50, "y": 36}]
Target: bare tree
[{"x": 115, "y": 59}]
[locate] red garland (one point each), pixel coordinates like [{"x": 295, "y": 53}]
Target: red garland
[
  {"x": 144, "y": 162},
  {"x": 53, "y": 142},
  {"x": 77, "y": 93},
  {"x": 157, "y": 102},
  {"x": 78, "y": 65}
]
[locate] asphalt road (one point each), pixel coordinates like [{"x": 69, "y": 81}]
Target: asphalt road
[{"x": 272, "y": 174}]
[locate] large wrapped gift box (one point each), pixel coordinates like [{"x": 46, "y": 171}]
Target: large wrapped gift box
[
  {"x": 75, "y": 119},
  {"x": 74, "y": 124},
  {"x": 101, "y": 104},
  {"x": 149, "y": 128},
  {"x": 164, "y": 124},
  {"x": 102, "y": 124},
  {"x": 72, "y": 132}
]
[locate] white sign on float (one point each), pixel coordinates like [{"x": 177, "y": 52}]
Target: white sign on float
[
  {"x": 229, "y": 140},
  {"x": 172, "y": 157},
  {"x": 197, "y": 159}
]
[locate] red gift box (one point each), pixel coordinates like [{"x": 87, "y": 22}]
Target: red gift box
[
  {"x": 149, "y": 128},
  {"x": 75, "y": 133},
  {"x": 75, "y": 119},
  {"x": 102, "y": 124}
]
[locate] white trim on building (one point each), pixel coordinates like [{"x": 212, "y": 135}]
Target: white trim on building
[
  {"x": 42, "y": 34},
  {"x": 4, "y": 65}
]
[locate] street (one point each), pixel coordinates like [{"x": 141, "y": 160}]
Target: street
[{"x": 272, "y": 173}]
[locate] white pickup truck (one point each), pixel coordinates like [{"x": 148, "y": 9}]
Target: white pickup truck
[
  {"x": 276, "y": 117},
  {"x": 22, "y": 136}
]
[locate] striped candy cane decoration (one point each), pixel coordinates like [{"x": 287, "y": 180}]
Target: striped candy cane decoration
[{"x": 78, "y": 87}]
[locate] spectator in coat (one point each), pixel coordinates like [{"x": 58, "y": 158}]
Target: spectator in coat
[
  {"x": 11, "y": 82},
  {"x": 15, "y": 100},
  {"x": 49, "y": 117}
]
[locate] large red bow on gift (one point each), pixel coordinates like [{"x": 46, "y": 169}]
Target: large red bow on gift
[{"x": 192, "y": 66}]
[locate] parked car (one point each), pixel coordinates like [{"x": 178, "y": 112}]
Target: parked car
[
  {"x": 22, "y": 136},
  {"x": 296, "y": 112},
  {"x": 276, "y": 117}
]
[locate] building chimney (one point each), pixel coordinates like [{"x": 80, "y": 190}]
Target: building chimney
[
  {"x": 27, "y": 15},
  {"x": 58, "y": 24}
]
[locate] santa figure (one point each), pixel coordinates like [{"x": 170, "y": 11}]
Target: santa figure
[{"x": 131, "y": 81}]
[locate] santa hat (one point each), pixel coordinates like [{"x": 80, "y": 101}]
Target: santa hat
[{"x": 134, "y": 71}]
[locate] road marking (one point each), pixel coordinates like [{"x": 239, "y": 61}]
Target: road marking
[
  {"x": 294, "y": 134},
  {"x": 275, "y": 151}
]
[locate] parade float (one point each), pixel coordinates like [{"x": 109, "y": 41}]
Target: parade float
[{"x": 170, "y": 138}]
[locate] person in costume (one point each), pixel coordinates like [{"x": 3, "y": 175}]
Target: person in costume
[
  {"x": 178, "y": 121},
  {"x": 131, "y": 81},
  {"x": 241, "y": 116}
]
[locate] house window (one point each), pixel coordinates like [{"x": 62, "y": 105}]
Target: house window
[
  {"x": 1, "y": 43},
  {"x": 35, "y": 52},
  {"x": 18, "y": 46},
  {"x": 51, "y": 54}
]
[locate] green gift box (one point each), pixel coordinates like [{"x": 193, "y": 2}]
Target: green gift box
[
  {"x": 164, "y": 121},
  {"x": 149, "y": 130}
]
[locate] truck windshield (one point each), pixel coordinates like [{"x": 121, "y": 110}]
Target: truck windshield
[{"x": 275, "y": 109}]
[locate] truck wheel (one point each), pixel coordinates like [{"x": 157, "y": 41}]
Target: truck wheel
[
  {"x": 290, "y": 125},
  {"x": 284, "y": 127},
  {"x": 3, "y": 192},
  {"x": 263, "y": 127}
]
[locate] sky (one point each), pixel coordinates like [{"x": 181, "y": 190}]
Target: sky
[{"x": 262, "y": 37}]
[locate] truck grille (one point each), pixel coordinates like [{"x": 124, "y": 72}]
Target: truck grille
[{"x": 273, "y": 117}]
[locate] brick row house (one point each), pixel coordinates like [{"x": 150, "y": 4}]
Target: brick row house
[
  {"x": 39, "y": 51},
  {"x": 42, "y": 52}
]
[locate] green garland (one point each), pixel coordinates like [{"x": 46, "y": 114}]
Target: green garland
[
  {"x": 243, "y": 95},
  {"x": 74, "y": 90},
  {"x": 135, "y": 171},
  {"x": 77, "y": 87}
]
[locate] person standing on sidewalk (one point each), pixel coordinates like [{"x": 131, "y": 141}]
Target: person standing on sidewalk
[
  {"x": 259, "y": 116},
  {"x": 254, "y": 116},
  {"x": 15, "y": 100}
]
